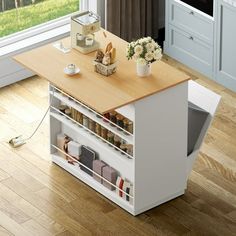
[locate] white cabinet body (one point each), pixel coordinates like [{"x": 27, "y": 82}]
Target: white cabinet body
[
  {"x": 225, "y": 43},
  {"x": 160, "y": 166}
]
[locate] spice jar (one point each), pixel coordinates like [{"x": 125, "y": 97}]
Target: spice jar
[
  {"x": 129, "y": 149},
  {"x": 72, "y": 113},
  {"x": 123, "y": 147},
  {"x": 68, "y": 112},
  {"x": 92, "y": 125},
  {"x": 98, "y": 129},
  {"x": 98, "y": 116},
  {"x": 75, "y": 114},
  {"x": 107, "y": 116},
  {"x": 130, "y": 126},
  {"x": 62, "y": 108},
  {"x": 113, "y": 117},
  {"x": 79, "y": 117},
  {"x": 119, "y": 121},
  {"x": 126, "y": 125},
  {"x": 117, "y": 141},
  {"x": 103, "y": 133},
  {"x": 110, "y": 137},
  {"x": 85, "y": 121}
]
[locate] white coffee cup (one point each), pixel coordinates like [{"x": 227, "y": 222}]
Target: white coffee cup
[
  {"x": 79, "y": 37},
  {"x": 71, "y": 68},
  {"x": 88, "y": 41}
]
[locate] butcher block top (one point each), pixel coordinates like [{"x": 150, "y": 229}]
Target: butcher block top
[{"x": 99, "y": 92}]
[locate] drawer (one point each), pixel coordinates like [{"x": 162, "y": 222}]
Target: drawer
[
  {"x": 190, "y": 50},
  {"x": 191, "y": 20}
]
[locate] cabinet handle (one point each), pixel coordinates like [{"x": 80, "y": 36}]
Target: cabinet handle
[
  {"x": 191, "y": 12},
  {"x": 191, "y": 38}
]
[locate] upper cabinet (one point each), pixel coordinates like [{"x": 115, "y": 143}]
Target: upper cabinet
[
  {"x": 201, "y": 34},
  {"x": 225, "y": 43}
]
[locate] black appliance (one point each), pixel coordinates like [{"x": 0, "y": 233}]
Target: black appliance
[{"x": 205, "y": 6}]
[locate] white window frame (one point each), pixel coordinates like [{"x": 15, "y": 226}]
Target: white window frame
[
  {"x": 96, "y": 6},
  {"x": 38, "y": 29},
  {"x": 36, "y": 36},
  {"x": 32, "y": 31}
]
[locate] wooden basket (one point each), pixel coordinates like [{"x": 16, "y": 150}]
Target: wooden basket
[{"x": 104, "y": 70}]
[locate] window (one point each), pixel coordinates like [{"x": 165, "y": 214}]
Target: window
[{"x": 18, "y": 15}]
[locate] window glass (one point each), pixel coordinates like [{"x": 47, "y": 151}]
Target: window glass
[{"x": 17, "y": 15}]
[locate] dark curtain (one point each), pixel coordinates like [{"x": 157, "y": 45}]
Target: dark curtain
[{"x": 133, "y": 19}]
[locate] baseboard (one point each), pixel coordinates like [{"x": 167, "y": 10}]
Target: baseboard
[{"x": 15, "y": 77}]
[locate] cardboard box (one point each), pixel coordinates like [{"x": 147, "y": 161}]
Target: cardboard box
[
  {"x": 98, "y": 168},
  {"x": 109, "y": 174}
]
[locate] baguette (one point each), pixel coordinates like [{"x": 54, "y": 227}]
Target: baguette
[
  {"x": 113, "y": 55},
  {"x": 108, "y": 47}
]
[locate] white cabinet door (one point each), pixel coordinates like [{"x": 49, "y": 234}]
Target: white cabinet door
[{"x": 226, "y": 43}]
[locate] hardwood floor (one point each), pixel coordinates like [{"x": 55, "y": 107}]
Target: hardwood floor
[{"x": 39, "y": 198}]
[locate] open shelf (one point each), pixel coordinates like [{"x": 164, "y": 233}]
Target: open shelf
[
  {"x": 88, "y": 133},
  {"x": 75, "y": 170},
  {"x": 91, "y": 114},
  {"x": 155, "y": 173}
]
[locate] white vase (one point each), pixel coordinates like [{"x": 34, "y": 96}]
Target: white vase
[{"x": 143, "y": 70}]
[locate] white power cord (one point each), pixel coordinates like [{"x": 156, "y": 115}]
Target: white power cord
[{"x": 19, "y": 140}]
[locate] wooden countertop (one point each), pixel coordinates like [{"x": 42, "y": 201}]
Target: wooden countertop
[{"x": 96, "y": 91}]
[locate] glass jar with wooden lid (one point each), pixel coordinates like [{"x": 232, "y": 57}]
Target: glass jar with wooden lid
[
  {"x": 104, "y": 133},
  {"x": 120, "y": 121},
  {"x": 113, "y": 117}
]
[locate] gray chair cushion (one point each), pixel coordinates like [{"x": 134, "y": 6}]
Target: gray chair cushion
[{"x": 196, "y": 120}]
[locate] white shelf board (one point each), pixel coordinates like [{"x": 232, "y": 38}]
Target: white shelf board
[
  {"x": 74, "y": 170},
  {"x": 128, "y": 111},
  {"x": 91, "y": 115}
]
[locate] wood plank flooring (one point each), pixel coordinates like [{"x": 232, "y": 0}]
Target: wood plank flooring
[{"x": 39, "y": 198}]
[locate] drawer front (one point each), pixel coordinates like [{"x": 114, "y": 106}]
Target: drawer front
[
  {"x": 191, "y": 20},
  {"x": 191, "y": 50}
]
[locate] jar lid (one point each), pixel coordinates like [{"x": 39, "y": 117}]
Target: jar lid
[
  {"x": 117, "y": 138},
  {"x": 68, "y": 111},
  {"x": 113, "y": 113},
  {"x": 129, "y": 146},
  {"x": 126, "y": 121},
  {"x": 110, "y": 134},
  {"x": 62, "y": 107},
  {"x": 119, "y": 117},
  {"x": 123, "y": 146}
]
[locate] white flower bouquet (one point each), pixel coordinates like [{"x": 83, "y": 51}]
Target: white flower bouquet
[{"x": 144, "y": 51}]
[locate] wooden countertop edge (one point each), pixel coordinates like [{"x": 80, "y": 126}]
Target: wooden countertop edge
[
  {"x": 135, "y": 100},
  {"x": 103, "y": 112}
]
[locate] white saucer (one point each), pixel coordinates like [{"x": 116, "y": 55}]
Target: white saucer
[{"x": 66, "y": 71}]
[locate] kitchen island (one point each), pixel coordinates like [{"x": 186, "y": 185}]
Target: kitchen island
[{"x": 154, "y": 165}]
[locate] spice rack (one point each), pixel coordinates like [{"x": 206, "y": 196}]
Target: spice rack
[
  {"x": 123, "y": 134},
  {"x": 70, "y": 122}
]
